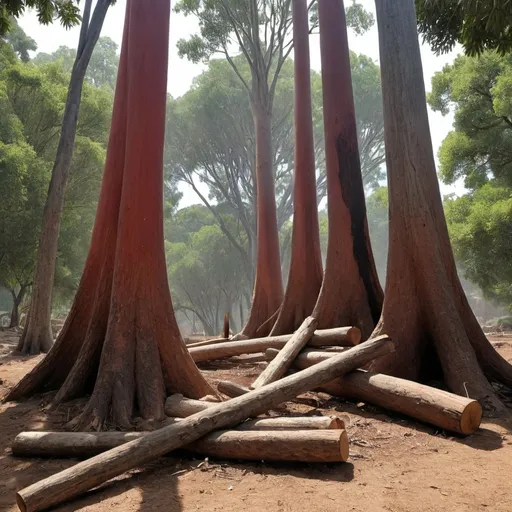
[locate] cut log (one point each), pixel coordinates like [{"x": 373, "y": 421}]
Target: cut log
[
  {"x": 308, "y": 355},
  {"x": 347, "y": 336},
  {"x": 93, "y": 472},
  {"x": 248, "y": 359},
  {"x": 283, "y": 360},
  {"x": 277, "y": 445},
  {"x": 177, "y": 406},
  {"x": 205, "y": 343},
  {"x": 225, "y": 330},
  {"x": 231, "y": 389},
  {"x": 425, "y": 403},
  {"x": 293, "y": 423}
]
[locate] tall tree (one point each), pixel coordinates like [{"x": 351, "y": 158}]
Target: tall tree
[
  {"x": 350, "y": 293},
  {"x": 37, "y": 335},
  {"x": 305, "y": 277},
  {"x": 425, "y": 310},
  {"x": 121, "y": 334},
  {"x": 477, "y": 25}
]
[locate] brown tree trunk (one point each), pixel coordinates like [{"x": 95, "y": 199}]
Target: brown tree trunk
[
  {"x": 268, "y": 286},
  {"x": 16, "y": 301},
  {"x": 305, "y": 276},
  {"x": 350, "y": 293},
  {"x": 425, "y": 309},
  {"x": 121, "y": 335},
  {"x": 37, "y": 335}
]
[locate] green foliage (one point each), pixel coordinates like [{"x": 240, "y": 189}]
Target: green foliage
[
  {"x": 66, "y": 11},
  {"x": 478, "y": 25},
  {"x": 205, "y": 274},
  {"x": 102, "y": 69},
  {"x": 480, "y": 227},
  {"x": 479, "y": 148},
  {"x": 32, "y": 99},
  {"x": 20, "y": 42}
]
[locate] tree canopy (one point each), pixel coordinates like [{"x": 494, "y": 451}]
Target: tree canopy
[{"x": 477, "y": 25}]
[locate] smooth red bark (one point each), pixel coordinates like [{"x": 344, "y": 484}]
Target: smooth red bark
[
  {"x": 305, "y": 276},
  {"x": 121, "y": 339},
  {"x": 350, "y": 293}
]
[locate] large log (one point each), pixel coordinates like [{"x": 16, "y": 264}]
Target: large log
[
  {"x": 425, "y": 403},
  {"x": 277, "y": 445},
  {"x": 347, "y": 336},
  {"x": 93, "y": 472},
  {"x": 283, "y": 360},
  {"x": 177, "y": 406},
  {"x": 231, "y": 389}
]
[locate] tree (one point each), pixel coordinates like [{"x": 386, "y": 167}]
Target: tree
[
  {"x": 478, "y": 90},
  {"x": 102, "y": 68},
  {"x": 37, "y": 335},
  {"x": 350, "y": 293},
  {"x": 480, "y": 226},
  {"x": 121, "y": 334},
  {"x": 20, "y": 42},
  {"x": 305, "y": 277},
  {"x": 477, "y": 25},
  {"x": 68, "y": 13},
  {"x": 425, "y": 310}
]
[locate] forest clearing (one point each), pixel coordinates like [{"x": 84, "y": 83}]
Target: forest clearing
[{"x": 283, "y": 285}]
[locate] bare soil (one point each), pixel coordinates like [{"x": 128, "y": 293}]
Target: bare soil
[{"x": 395, "y": 465}]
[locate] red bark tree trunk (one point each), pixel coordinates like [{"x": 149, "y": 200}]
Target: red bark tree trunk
[
  {"x": 268, "y": 285},
  {"x": 305, "y": 276},
  {"x": 350, "y": 293},
  {"x": 425, "y": 309},
  {"x": 121, "y": 338}
]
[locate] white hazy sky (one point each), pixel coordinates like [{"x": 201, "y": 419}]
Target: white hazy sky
[{"x": 182, "y": 72}]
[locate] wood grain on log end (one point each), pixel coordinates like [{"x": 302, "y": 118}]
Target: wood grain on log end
[{"x": 471, "y": 418}]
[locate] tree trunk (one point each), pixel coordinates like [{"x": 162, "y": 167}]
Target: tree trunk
[
  {"x": 278, "y": 445},
  {"x": 340, "y": 336},
  {"x": 305, "y": 276},
  {"x": 268, "y": 286},
  {"x": 93, "y": 472},
  {"x": 37, "y": 335},
  {"x": 278, "y": 366},
  {"x": 350, "y": 293},
  {"x": 15, "y": 312},
  {"x": 425, "y": 309},
  {"x": 120, "y": 339}
]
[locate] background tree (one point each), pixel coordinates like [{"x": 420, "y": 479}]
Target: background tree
[
  {"x": 477, "y": 25},
  {"x": 121, "y": 334},
  {"x": 425, "y": 309},
  {"x": 37, "y": 334}
]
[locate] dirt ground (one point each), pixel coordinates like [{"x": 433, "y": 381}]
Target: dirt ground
[{"x": 395, "y": 464}]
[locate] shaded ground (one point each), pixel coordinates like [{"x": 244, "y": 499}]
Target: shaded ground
[{"x": 395, "y": 465}]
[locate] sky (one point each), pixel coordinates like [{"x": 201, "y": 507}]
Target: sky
[{"x": 182, "y": 72}]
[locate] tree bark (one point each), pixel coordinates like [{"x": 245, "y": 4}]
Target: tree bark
[
  {"x": 425, "y": 308},
  {"x": 305, "y": 275},
  {"x": 339, "y": 336},
  {"x": 37, "y": 335},
  {"x": 430, "y": 405},
  {"x": 120, "y": 339},
  {"x": 268, "y": 286},
  {"x": 350, "y": 293},
  {"x": 278, "y": 366},
  {"x": 93, "y": 472},
  {"x": 277, "y": 445},
  {"x": 17, "y": 298}
]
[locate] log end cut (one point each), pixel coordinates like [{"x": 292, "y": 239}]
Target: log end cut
[
  {"x": 471, "y": 417},
  {"x": 20, "y": 502},
  {"x": 354, "y": 336}
]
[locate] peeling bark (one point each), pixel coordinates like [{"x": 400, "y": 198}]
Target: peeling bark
[
  {"x": 425, "y": 310},
  {"x": 350, "y": 293},
  {"x": 121, "y": 340},
  {"x": 305, "y": 276}
]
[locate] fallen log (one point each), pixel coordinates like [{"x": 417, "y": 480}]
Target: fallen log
[
  {"x": 248, "y": 359},
  {"x": 231, "y": 389},
  {"x": 348, "y": 336},
  {"x": 277, "y": 445},
  {"x": 213, "y": 341},
  {"x": 283, "y": 360},
  {"x": 425, "y": 403},
  {"x": 93, "y": 472},
  {"x": 177, "y": 406}
]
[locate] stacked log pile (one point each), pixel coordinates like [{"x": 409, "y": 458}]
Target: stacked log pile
[{"x": 232, "y": 429}]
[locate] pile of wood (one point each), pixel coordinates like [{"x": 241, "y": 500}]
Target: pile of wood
[{"x": 232, "y": 429}]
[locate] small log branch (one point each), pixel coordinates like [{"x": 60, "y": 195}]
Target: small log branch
[
  {"x": 231, "y": 389},
  {"x": 90, "y": 473},
  {"x": 277, "y": 445},
  {"x": 345, "y": 336},
  {"x": 278, "y": 366},
  {"x": 425, "y": 403}
]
